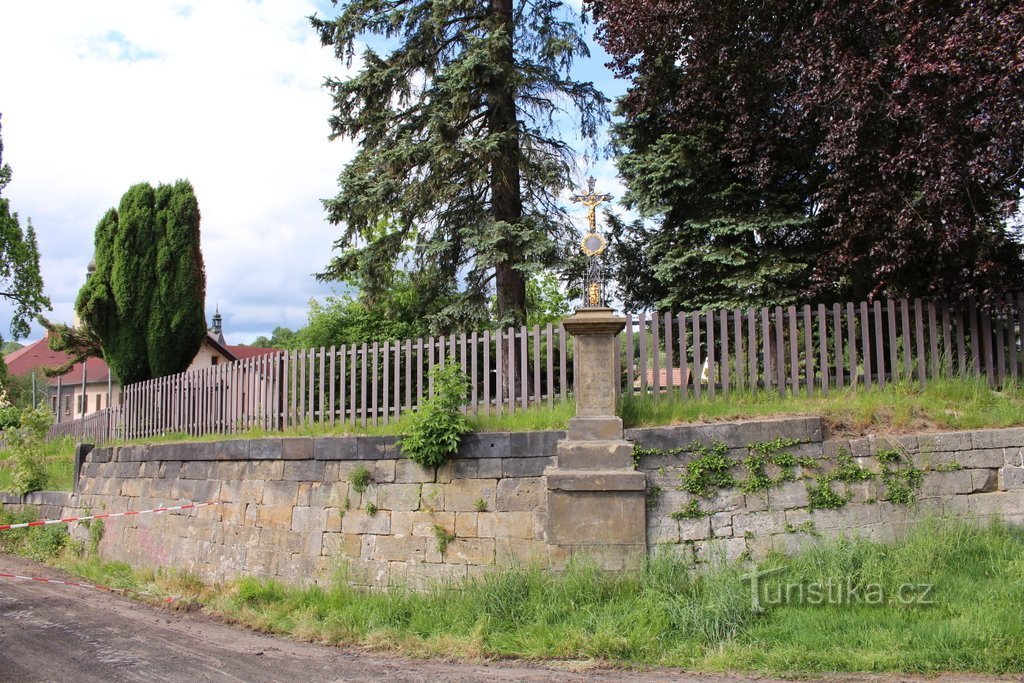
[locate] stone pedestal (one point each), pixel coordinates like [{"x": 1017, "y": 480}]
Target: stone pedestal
[{"x": 596, "y": 500}]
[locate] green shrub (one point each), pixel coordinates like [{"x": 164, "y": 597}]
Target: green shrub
[
  {"x": 360, "y": 479},
  {"x": 25, "y": 444},
  {"x": 436, "y": 430}
]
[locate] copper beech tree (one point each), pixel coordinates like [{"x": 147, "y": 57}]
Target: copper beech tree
[{"x": 858, "y": 148}]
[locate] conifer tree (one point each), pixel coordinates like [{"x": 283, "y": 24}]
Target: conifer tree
[{"x": 457, "y": 141}]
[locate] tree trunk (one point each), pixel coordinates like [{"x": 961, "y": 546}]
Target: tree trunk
[{"x": 506, "y": 196}]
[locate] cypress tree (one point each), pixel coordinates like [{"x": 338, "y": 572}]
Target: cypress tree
[{"x": 144, "y": 302}]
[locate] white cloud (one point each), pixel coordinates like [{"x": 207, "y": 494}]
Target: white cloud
[{"x": 228, "y": 94}]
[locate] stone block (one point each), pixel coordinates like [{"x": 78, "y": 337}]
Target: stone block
[
  {"x": 198, "y": 470},
  {"x": 323, "y": 494},
  {"x": 369, "y": 573},
  {"x": 998, "y": 503},
  {"x": 280, "y": 493},
  {"x": 756, "y": 502},
  {"x": 275, "y": 516},
  {"x": 724, "y": 501},
  {"x": 534, "y": 444},
  {"x": 401, "y": 523},
  {"x": 463, "y": 494},
  {"x": 421, "y": 577},
  {"x": 663, "y": 438},
  {"x": 1014, "y": 456},
  {"x": 303, "y": 470},
  {"x": 196, "y": 490},
  {"x": 242, "y": 491},
  {"x": 344, "y": 545},
  {"x": 432, "y": 497},
  {"x": 596, "y": 480},
  {"x": 847, "y": 517},
  {"x": 231, "y": 449},
  {"x": 525, "y": 467},
  {"x": 513, "y": 552},
  {"x": 661, "y": 530},
  {"x": 297, "y": 448},
  {"x": 470, "y": 551},
  {"x": 170, "y": 470},
  {"x": 694, "y": 529},
  {"x": 371, "y": 448},
  {"x": 593, "y": 455},
  {"x": 1011, "y": 478},
  {"x": 409, "y": 472},
  {"x": 903, "y": 443},
  {"x": 424, "y": 523},
  {"x": 129, "y": 470},
  {"x": 334, "y": 448},
  {"x": 485, "y": 445},
  {"x": 358, "y": 522},
  {"x": 595, "y": 428},
  {"x": 404, "y": 497},
  {"x": 946, "y": 483},
  {"x": 861, "y": 448},
  {"x": 945, "y": 442},
  {"x": 309, "y": 518},
  {"x": 834, "y": 447},
  {"x": 468, "y": 468},
  {"x": 266, "y": 470},
  {"x": 400, "y": 548},
  {"x": 998, "y": 438},
  {"x": 466, "y": 524},
  {"x": 227, "y": 470},
  {"x": 721, "y": 524},
  {"x": 506, "y": 525},
  {"x": 759, "y": 523},
  {"x": 265, "y": 449},
  {"x": 983, "y": 481},
  {"x": 384, "y": 471},
  {"x": 131, "y": 488},
  {"x": 979, "y": 459},
  {"x": 488, "y": 468},
  {"x": 596, "y": 517}
]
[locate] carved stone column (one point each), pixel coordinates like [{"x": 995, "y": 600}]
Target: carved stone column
[{"x": 596, "y": 500}]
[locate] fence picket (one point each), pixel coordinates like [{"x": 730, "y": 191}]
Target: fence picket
[
  {"x": 723, "y": 362},
  {"x": 808, "y": 351}
]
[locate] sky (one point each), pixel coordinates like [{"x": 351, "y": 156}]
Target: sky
[{"x": 98, "y": 96}]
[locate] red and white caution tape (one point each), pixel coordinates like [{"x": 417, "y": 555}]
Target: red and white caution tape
[
  {"x": 75, "y": 584},
  {"x": 43, "y": 522}
]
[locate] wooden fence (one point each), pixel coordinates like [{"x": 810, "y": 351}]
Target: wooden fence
[
  {"x": 784, "y": 349},
  {"x": 96, "y": 428}
]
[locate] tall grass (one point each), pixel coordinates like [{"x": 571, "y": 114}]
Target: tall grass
[
  {"x": 666, "y": 613},
  {"x": 58, "y": 465}
]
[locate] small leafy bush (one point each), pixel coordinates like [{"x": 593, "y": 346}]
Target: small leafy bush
[
  {"x": 436, "y": 430},
  {"x": 25, "y": 444}
]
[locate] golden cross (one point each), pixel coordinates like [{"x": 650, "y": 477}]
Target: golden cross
[{"x": 591, "y": 200}]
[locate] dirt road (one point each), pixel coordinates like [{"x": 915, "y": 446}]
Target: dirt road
[{"x": 56, "y": 633}]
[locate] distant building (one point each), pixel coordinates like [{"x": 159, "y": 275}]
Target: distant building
[{"x": 101, "y": 389}]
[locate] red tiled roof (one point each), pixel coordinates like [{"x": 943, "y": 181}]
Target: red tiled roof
[{"x": 38, "y": 355}]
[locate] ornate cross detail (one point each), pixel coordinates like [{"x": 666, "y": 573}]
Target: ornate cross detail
[{"x": 593, "y": 245}]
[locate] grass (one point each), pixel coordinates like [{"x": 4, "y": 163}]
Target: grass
[
  {"x": 667, "y": 614},
  {"x": 959, "y": 403},
  {"x": 58, "y": 456}
]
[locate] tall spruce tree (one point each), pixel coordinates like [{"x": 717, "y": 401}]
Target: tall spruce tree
[
  {"x": 458, "y": 144},
  {"x": 20, "y": 281},
  {"x": 143, "y": 306}
]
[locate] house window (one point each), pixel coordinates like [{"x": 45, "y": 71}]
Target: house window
[
  {"x": 214, "y": 360},
  {"x": 78, "y": 404},
  {"x": 67, "y": 405},
  {"x": 53, "y": 404},
  {"x": 99, "y": 400}
]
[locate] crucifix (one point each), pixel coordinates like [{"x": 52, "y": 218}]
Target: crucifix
[{"x": 593, "y": 245}]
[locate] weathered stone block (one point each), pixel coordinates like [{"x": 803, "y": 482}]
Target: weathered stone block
[
  {"x": 997, "y": 503},
  {"x": 280, "y": 493},
  {"x": 323, "y": 494},
  {"x": 170, "y": 470},
  {"x": 945, "y": 442},
  {"x": 525, "y": 467},
  {"x": 409, "y": 472},
  {"x": 267, "y": 471},
  {"x": 384, "y": 471},
  {"x": 758, "y": 523},
  {"x": 1011, "y": 478},
  {"x": 400, "y": 548},
  {"x": 592, "y": 455},
  {"x": 463, "y": 494},
  {"x": 506, "y": 525},
  {"x": 946, "y": 483},
  {"x": 432, "y": 497},
  {"x": 488, "y": 468},
  {"x": 485, "y": 445},
  {"x": 534, "y": 444},
  {"x": 470, "y": 551},
  {"x": 265, "y": 449},
  {"x": 596, "y": 480},
  {"x": 468, "y": 468},
  {"x": 902, "y": 443},
  {"x": 594, "y": 428},
  {"x": 358, "y": 522},
  {"x": 303, "y": 470},
  {"x": 664, "y": 438},
  {"x": 513, "y": 552},
  {"x": 719, "y": 551},
  {"x": 596, "y": 517},
  {"x": 371, "y": 448},
  {"x": 980, "y": 459},
  {"x": 297, "y": 448},
  {"x": 424, "y": 523},
  {"x": 231, "y": 449},
  {"x": 308, "y": 518},
  {"x": 861, "y": 448},
  {"x": 345, "y": 545},
  {"x": 998, "y": 438},
  {"x": 401, "y": 523},
  {"x": 721, "y": 524},
  {"x": 275, "y": 516},
  {"x": 694, "y": 529},
  {"x": 198, "y": 470},
  {"x": 242, "y": 491},
  {"x": 399, "y": 496},
  {"x": 466, "y": 525},
  {"x": 834, "y": 447},
  {"x": 334, "y": 448}
]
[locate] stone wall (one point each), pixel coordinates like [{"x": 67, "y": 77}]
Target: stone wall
[
  {"x": 288, "y": 508},
  {"x": 975, "y": 474}
]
